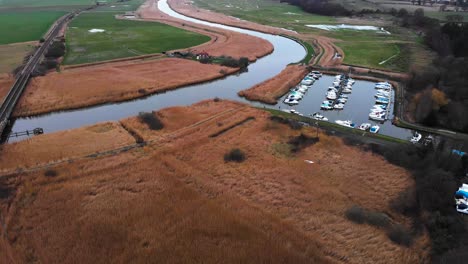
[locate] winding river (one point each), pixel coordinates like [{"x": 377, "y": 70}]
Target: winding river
[{"x": 286, "y": 51}]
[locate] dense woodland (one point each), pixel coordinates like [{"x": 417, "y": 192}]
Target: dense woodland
[{"x": 442, "y": 87}]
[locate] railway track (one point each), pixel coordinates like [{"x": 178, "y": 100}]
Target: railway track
[{"x": 22, "y": 78}]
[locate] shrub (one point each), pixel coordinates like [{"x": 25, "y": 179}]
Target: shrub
[
  {"x": 234, "y": 155},
  {"x": 406, "y": 203},
  {"x": 400, "y": 235},
  {"x": 302, "y": 141},
  {"x": 356, "y": 214},
  {"x": 151, "y": 120},
  {"x": 216, "y": 99},
  {"x": 56, "y": 49},
  {"x": 378, "y": 219},
  {"x": 50, "y": 173}
]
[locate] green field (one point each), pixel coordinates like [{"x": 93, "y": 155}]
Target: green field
[
  {"x": 122, "y": 38},
  {"x": 26, "y": 26},
  {"x": 266, "y": 12},
  {"x": 42, "y": 3},
  {"x": 363, "y": 48}
]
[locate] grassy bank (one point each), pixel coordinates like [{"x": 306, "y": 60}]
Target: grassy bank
[
  {"x": 122, "y": 38},
  {"x": 25, "y": 26},
  {"x": 335, "y": 127}
]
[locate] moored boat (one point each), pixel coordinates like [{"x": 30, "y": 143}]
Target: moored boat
[{"x": 374, "y": 129}]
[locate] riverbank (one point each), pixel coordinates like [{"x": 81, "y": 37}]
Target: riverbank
[
  {"x": 269, "y": 91},
  {"x": 137, "y": 78},
  {"x": 278, "y": 201},
  {"x": 113, "y": 82},
  {"x": 223, "y": 42}
]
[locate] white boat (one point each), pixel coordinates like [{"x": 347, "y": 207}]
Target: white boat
[
  {"x": 307, "y": 82},
  {"x": 336, "y": 83},
  {"x": 294, "y": 97},
  {"x": 338, "y": 77},
  {"x": 342, "y": 100},
  {"x": 374, "y": 129},
  {"x": 350, "y": 80},
  {"x": 379, "y": 107},
  {"x": 416, "y": 137},
  {"x": 346, "y": 123},
  {"x": 343, "y": 96},
  {"x": 386, "y": 84},
  {"x": 316, "y": 73},
  {"x": 384, "y": 87},
  {"x": 326, "y": 107},
  {"x": 346, "y": 90},
  {"x": 349, "y": 87},
  {"x": 331, "y": 88},
  {"x": 339, "y": 106},
  {"x": 290, "y": 101},
  {"x": 316, "y": 77},
  {"x": 384, "y": 92},
  {"x": 292, "y": 111},
  {"x": 364, "y": 126},
  {"x": 319, "y": 116},
  {"x": 377, "y": 116},
  {"x": 381, "y": 100},
  {"x": 302, "y": 90},
  {"x": 331, "y": 95}
]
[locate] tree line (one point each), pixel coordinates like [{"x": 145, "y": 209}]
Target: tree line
[{"x": 442, "y": 86}]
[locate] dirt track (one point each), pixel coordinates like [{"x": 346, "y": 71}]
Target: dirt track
[{"x": 176, "y": 198}]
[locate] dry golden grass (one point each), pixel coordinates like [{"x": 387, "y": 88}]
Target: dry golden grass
[
  {"x": 270, "y": 90},
  {"x": 63, "y": 145},
  {"x": 177, "y": 200},
  {"x": 223, "y": 42},
  {"x": 112, "y": 83}
]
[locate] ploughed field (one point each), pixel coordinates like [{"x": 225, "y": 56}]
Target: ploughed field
[{"x": 176, "y": 198}]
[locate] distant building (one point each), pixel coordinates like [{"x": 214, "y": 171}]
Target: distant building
[{"x": 203, "y": 55}]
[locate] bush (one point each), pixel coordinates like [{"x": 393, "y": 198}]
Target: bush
[
  {"x": 234, "y": 155},
  {"x": 400, "y": 235},
  {"x": 50, "y": 173},
  {"x": 406, "y": 203},
  {"x": 56, "y": 49},
  {"x": 151, "y": 120},
  {"x": 378, "y": 219},
  {"x": 356, "y": 214},
  {"x": 231, "y": 62},
  {"x": 302, "y": 141}
]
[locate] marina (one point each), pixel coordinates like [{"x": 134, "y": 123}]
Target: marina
[{"x": 351, "y": 103}]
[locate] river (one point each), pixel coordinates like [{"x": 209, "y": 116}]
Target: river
[{"x": 286, "y": 51}]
